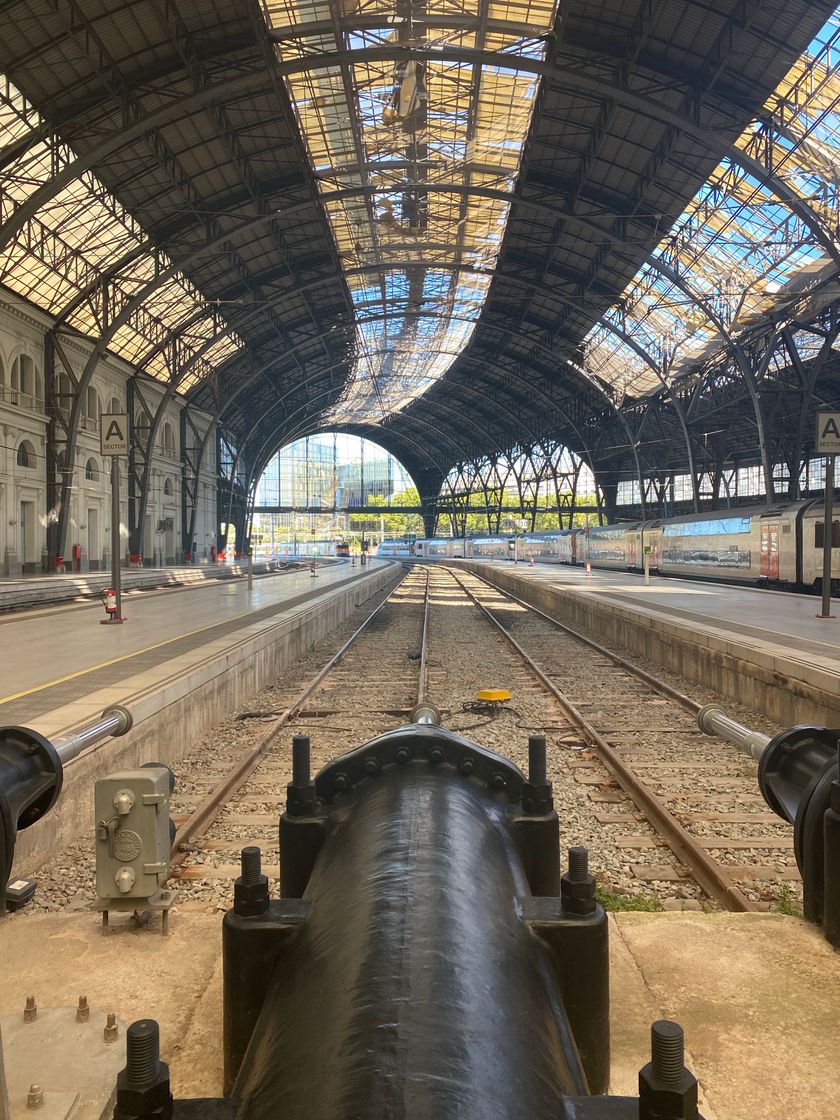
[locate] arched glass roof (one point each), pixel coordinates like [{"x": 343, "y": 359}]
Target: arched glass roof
[
  {"x": 74, "y": 240},
  {"x": 413, "y": 118},
  {"x": 419, "y": 245},
  {"x": 746, "y": 244}
]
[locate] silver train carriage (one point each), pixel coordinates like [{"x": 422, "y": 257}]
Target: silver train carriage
[
  {"x": 394, "y": 548},
  {"x": 447, "y": 547},
  {"x": 491, "y": 548},
  {"x": 779, "y": 545}
]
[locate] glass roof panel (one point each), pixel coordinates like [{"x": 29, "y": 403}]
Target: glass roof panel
[
  {"x": 75, "y": 236},
  {"x": 741, "y": 247},
  {"x": 421, "y": 142}
]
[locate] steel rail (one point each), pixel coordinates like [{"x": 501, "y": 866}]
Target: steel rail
[
  {"x": 708, "y": 874},
  {"x": 660, "y": 686},
  {"x": 200, "y": 820},
  {"x": 422, "y": 684}
]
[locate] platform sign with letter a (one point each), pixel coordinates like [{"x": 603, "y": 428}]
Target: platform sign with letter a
[
  {"x": 828, "y": 433},
  {"x": 113, "y": 433}
]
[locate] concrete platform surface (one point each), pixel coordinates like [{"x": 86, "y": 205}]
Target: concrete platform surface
[
  {"x": 758, "y": 996},
  {"x": 34, "y": 591},
  {"x": 783, "y": 619},
  {"x": 66, "y": 646}
]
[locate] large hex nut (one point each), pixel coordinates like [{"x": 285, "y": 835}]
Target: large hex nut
[
  {"x": 661, "y": 1101},
  {"x": 578, "y": 895},
  {"x": 154, "y": 1100},
  {"x": 250, "y": 899}
]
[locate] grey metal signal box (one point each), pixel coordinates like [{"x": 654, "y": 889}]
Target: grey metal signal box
[{"x": 133, "y": 840}]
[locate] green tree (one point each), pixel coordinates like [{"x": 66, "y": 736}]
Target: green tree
[{"x": 394, "y": 524}]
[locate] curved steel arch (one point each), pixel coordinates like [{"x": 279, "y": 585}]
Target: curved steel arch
[
  {"x": 455, "y": 388},
  {"x": 418, "y": 420},
  {"x": 576, "y": 81},
  {"x": 213, "y": 247},
  {"x": 365, "y": 429},
  {"x": 136, "y": 302},
  {"x": 270, "y": 447},
  {"x": 471, "y": 392},
  {"x": 263, "y": 455},
  {"x": 680, "y": 282},
  {"x": 675, "y": 401},
  {"x": 254, "y": 374},
  {"x": 415, "y": 419},
  {"x": 314, "y": 283}
]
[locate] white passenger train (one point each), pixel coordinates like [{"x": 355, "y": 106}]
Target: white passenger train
[
  {"x": 779, "y": 545},
  {"x": 395, "y": 548}
]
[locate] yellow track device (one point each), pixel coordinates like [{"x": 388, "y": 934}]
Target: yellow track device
[{"x": 493, "y": 695}]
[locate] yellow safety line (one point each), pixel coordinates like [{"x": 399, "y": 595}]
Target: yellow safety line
[{"x": 125, "y": 657}]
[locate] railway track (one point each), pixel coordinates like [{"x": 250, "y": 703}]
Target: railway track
[
  {"x": 634, "y": 779},
  {"x": 664, "y": 810},
  {"x": 356, "y": 695},
  {"x": 642, "y": 758}
]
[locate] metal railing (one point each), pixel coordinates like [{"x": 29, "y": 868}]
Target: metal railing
[{"x": 22, "y": 400}]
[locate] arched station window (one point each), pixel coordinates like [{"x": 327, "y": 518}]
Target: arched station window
[
  {"x": 92, "y": 404},
  {"x": 26, "y": 455},
  {"x": 168, "y": 438}
]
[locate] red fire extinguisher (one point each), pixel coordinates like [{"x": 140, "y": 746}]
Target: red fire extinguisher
[{"x": 109, "y": 600}]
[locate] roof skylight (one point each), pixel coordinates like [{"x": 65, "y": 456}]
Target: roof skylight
[
  {"x": 741, "y": 247},
  {"x": 415, "y": 161}
]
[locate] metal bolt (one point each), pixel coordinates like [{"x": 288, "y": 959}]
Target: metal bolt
[
  {"x": 497, "y": 781},
  {"x": 466, "y": 765},
  {"x": 82, "y": 1011},
  {"x": 300, "y": 760},
  {"x": 537, "y": 774},
  {"x": 403, "y": 756},
  {"x": 435, "y": 755},
  {"x": 35, "y": 1097},
  {"x": 578, "y": 864},
  {"x": 112, "y": 1031},
  {"x": 667, "y": 1051},
  {"x": 341, "y": 782},
  {"x": 30, "y": 1011},
  {"x": 251, "y": 864},
  {"x": 142, "y": 1052},
  {"x": 372, "y": 765}
]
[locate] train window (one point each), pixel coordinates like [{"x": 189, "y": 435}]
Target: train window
[
  {"x": 713, "y": 527},
  {"x": 819, "y": 534}
]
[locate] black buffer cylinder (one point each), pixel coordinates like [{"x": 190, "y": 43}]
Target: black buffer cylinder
[
  {"x": 413, "y": 986},
  {"x": 417, "y": 976},
  {"x": 30, "y": 783}
]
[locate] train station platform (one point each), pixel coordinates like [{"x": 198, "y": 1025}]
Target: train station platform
[
  {"x": 183, "y": 660},
  {"x": 32, "y": 591},
  {"x": 765, "y": 649},
  {"x": 757, "y": 996}
]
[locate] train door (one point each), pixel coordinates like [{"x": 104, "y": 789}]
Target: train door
[
  {"x": 651, "y": 539},
  {"x": 769, "y": 563},
  {"x": 632, "y": 547}
]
